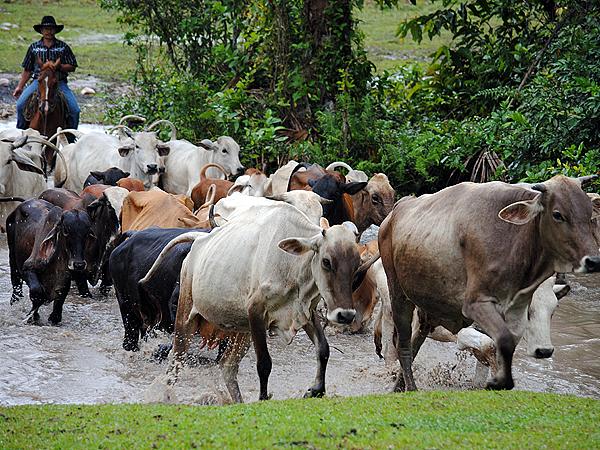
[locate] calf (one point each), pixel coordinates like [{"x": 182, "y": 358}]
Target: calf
[
  {"x": 45, "y": 249},
  {"x": 109, "y": 177}
]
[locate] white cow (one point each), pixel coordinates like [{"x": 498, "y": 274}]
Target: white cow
[
  {"x": 265, "y": 270},
  {"x": 21, "y": 173},
  {"x": 307, "y": 202},
  {"x": 141, "y": 154},
  {"x": 537, "y": 331},
  {"x": 182, "y": 166}
]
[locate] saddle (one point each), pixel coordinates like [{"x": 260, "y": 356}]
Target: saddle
[{"x": 31, "y": 107}]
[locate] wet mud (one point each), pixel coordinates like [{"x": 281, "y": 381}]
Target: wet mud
[{"x": 82, "y": 360}]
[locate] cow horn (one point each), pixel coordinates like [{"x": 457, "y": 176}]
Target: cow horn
[
  {"x": 361, "y": 272},
  {"x": 39, "y": 140},
  {"x": 133, "y": 117},
  {"x": 539, "y": 187},
  {"x": 19, "y": 142},
  {"x": 128, "y": 131},
  {"x": 586, "y": 180},
  {"x": 168, "y": 122},
  {"x": 11, "y": 199},
  {"x": 337, "y": 164},
  {"x": 72, "y": 131}
]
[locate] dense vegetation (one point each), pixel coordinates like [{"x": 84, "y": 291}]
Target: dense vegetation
[
  {"x": 410, "y": 420},
  {"x": 514, "y": 95}
]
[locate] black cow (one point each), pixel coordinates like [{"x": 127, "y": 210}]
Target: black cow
[
  {"x": 330, "y": 185},
  {"x": 109, "y": 177},
  {"x": 155, "y": 305},
  {"x": 45, "y": 245},
  {"x": 105, "y": 227}
]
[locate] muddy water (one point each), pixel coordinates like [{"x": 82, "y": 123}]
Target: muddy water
[{"x": 82, "y": 361}]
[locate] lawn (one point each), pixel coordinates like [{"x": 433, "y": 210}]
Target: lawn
[{"x": 476, "y": 419}]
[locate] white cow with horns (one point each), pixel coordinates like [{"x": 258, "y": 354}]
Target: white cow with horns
[{"x": 265, "y": 270}]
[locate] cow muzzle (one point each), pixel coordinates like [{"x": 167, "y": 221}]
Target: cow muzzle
[
  {"x": 152, "y": 169},
  {"x": 341, "y": 316},
  {"x": 77, "y": 266},
  {"x": 589, "y": 264},
  {"x": 541, "y": 353}
]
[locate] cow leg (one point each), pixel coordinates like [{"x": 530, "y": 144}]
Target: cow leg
[
  {"x": 314, "y": 330},
  {"x": 16, "y": 281},
  {"x": 421, "y": 330},
  {"x": 229, "y": 362},
  {"x": 256, "y": 316},
  {"x": 36, "y": 295},
  {"x": 483, "y": 311},
  {"x": 187, "y": 322},
  {"x": 57, "y": 307},
  {"x": 402, "y": 313}
]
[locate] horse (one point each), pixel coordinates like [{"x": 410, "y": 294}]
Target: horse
[{"x": 47, "y": 109}]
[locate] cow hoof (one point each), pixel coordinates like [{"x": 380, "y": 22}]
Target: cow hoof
[
  {"x": 104, "y": 290},
  {"x": 15, "y": 298},
  {"x": 54, "y": 319},
  {"x": 268, "y": 397},
  {"x": 33, "y": 319},
  {"x": 131, "y": 346},
  {"x": 496, "y": 384},
  {"x": 314, "y": 393},
  {"x": 162, "y": 352}
]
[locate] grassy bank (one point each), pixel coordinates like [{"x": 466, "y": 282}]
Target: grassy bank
[
  {"x": 384, "y": 48},
  {"x": 93, "y": 34},
  {"x": 415, "y": 420}
]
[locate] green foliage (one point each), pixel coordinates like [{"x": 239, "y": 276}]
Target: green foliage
[{"x": 506, "y": 420}]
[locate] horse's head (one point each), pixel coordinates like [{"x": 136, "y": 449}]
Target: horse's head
[{"x": 47, "y": 83}]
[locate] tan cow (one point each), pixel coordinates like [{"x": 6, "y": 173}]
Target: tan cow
[
  {"x": 476, "y": 253},
  {"x": 156, "y": 208}
]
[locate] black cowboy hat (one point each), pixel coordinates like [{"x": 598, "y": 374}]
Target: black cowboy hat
[{"x": 48, "y": 21}]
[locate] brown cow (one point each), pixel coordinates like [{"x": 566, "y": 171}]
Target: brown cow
[
  {"x": 200, "y": 190},
  {"x": 156, "y": 208},
  {"x": 131, "y": 184},
  {"x": 476, "y": 253}
]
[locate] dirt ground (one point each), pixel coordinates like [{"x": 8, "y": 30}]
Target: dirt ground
[{"x": 92, "y": 106}]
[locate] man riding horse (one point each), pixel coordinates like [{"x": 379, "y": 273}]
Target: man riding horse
[{"x": 47, "y": 49}]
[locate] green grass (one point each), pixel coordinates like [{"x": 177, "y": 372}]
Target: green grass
[
  {"x": 83, "y": 19},
  {"x": 113, "y": 60},
  {"x": 415, "y": 420},
  {"x": 385, "y": 49}
]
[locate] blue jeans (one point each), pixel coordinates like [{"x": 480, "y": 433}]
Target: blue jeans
[{"x": 73, "y": 113}]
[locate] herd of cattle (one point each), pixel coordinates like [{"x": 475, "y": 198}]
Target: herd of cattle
[{"x": 233, "y": 261}]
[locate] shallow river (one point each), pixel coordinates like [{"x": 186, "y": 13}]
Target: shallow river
[{"x": 82, "y": 361}]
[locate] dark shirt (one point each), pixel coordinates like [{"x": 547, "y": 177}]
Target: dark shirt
[{"x": 58, "y": 49}]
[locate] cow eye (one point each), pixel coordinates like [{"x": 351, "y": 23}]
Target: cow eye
[
  {"x": 376, "y": 199},
  {"x": 224, "y": 151},
  {"x": 327, "y": 264},
  {"x": 558, "y": 216}
]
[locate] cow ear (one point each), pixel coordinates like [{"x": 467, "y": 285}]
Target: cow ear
[
  {"x": 354, "y": 187},
  {"x": 125, "y": 149},
  {"x": 24, "y": 163},
  {"x": 163, "y": 149},
  {"x": 520, "y": 213},
  {"x": 299, "y": 246},
  {"x": 350, "y": 226},
  {"x": 48, "y": 246},
  {"x": 324, "y": 223},
  {"x": 206, "y": 144}
]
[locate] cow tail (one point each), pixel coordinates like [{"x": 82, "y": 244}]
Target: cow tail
[{"x": 186, "y": 237}]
